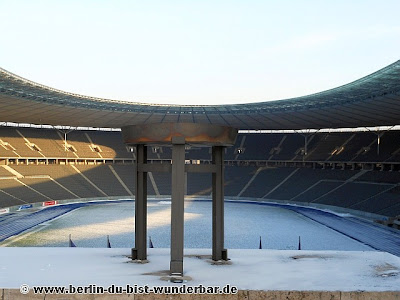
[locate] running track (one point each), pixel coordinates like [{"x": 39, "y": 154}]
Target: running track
[{"x": 368, "y": 233}]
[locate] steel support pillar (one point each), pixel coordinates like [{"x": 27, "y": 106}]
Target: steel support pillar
[
  {"x": 177, "y": 205},
  {"x": 218, "y": 251},
  {"x": 140, "y": 250}
]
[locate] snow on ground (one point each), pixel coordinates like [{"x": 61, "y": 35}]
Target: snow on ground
[
  {"x": 279, "y": 267},
  {"x": 279, "y": 228},
  {"x": 249, "y": 269}
]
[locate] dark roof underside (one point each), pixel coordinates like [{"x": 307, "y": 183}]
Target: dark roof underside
[{"x": 370, "y": 101}]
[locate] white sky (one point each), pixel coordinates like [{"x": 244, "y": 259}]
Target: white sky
[{"x": 197, "y": 52}]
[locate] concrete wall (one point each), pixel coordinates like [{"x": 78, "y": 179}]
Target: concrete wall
[{"x": 14, "y": 294}]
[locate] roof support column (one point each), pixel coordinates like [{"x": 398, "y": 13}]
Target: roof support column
[
  {"x": 177, "y": 205},
  {"x": 140, "y": 250},
  {"x": 218, "y": 251}
]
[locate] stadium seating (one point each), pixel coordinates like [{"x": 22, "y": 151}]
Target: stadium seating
[
  {"x": 266, "y": 180},
  {"x": 35, "y": 166}
]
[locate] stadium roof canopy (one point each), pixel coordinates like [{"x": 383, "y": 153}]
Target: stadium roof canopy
[{"x": 371, "y": 101}]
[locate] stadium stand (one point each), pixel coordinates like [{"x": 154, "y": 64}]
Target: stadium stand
[
  {"x": 127, "y": 177},
  {"x": 107, "y": 184},
  {"x": 266, "y": 180},
  {"x": 163, "y": 183},
  {"x": 5, "y": 173},
  {"x": 202, "y": 153},
  {"x": 328, "y": 145},
  {"x": 262, "y": 149},
  {"x": 349, "y": 194},
  {"x": 317, "y": 190},
  {"x": 236, "y": 178},
  {"x": 198, "y": 184},
  {"x": 110, "y": 145},
  {"x": 82, "y": 144},
  {"x": 14, "y": 140},
  {"x": 48, "y": 141},
  {"x": 305, "y": 178},
  {"x": 290, "y": 143},
  {"x": 358, "y": 147},
  {"x": 340, "y": 169}
]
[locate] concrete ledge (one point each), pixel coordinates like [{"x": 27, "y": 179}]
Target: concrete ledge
[{"x": 14, "y": 294}]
